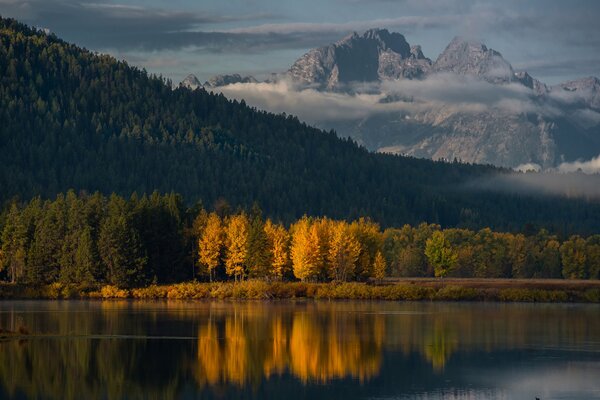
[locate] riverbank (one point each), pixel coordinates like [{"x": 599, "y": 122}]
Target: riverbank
[{"x": 424, "y": 289}]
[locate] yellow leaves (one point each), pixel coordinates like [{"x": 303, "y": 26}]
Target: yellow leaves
[
  {"x": 379, "y": 266},
  {"x": 210, "y": 245},
  {"x": 305, "y": 250},
  {"x": 343, "y": 252},
  {"x": 237, "y": 245},
  {"x": 278, "y": 248}
]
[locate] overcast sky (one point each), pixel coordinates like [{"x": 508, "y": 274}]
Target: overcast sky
[{"x": 555, "y": 40}]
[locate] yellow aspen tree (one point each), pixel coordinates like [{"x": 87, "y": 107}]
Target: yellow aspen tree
[
  {"x": 379, "y": 266},
  {"x": 344, "y": 250},
  {"x": 323, "y": 228},
  {"x": 305, "y": 250},
  {"x": 278, "y": 249},
  {"x": 237, "y": 245},
  {"x": 369, "y": 236},
  {"x": 210, "y": 244}
]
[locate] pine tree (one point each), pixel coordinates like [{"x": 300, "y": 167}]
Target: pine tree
[
  {"x": 120, "y": 247},
  {"x": 257, "y": 257},
  {"x": 13, "y": 250}
]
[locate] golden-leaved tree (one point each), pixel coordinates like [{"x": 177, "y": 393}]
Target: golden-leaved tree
[
  {"x": 210, "y": 244},
  {"x": 344, "y": 250},
  {"x": 379, "y": 266},
  {"x": 305, "y": 250},
  {"x": 278, "y": 249},
  {"x": 237, "y": 245}
]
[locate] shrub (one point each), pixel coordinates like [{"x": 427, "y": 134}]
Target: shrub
[{"x": 113, "y": 292}]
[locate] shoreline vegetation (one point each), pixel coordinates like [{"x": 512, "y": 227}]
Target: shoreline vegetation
[
  {"x": 408, "y": 289},
  {"x": 92, "y": 246}
]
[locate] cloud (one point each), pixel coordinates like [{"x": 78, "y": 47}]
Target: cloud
[
  {"x": 103, "y": 25},
  {"x": 589, "y": 167},
  {"x": 528, "y": 167},
  {"x": 448, "y": 92},
  {"x": 405, "y": 23},
  {"x": 570, "y": 185}
]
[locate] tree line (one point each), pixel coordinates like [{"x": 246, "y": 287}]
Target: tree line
[
  {"x": 71, "y": 118},
  {"x": 93, "y": 239}
]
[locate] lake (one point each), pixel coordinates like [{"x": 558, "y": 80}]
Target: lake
[{"x": 296, "y": 350}]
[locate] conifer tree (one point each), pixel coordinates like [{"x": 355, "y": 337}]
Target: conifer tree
[
  {"x": 13, "y": 250},
  {"x": 120, "y": 247},
  {"x": 257, "y": 256}
]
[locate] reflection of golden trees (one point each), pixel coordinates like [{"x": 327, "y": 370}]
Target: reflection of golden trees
[
  {"x": 243, "y": 343},
  {"x": 321, "y": 349}
]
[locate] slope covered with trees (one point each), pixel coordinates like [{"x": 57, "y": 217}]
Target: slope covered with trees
[{"x": 70, "y": 118}]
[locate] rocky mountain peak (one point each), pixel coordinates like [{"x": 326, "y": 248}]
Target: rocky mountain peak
[
  {"x": 586, "y": 90},
  {"x": 467, "y": 57},
  {"x": 375, "y": 55},
  {"x": 228, "y": 79},
  {"x": 191, "y": 82}
]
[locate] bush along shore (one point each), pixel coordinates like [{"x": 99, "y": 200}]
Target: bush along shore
[{"x": 419, "y": 290}]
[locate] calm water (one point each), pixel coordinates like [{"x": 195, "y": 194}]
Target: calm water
[{"x": 323, "y": 350}]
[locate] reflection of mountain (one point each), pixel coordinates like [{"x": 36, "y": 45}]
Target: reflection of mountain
[{"x": 470, "y": 104}]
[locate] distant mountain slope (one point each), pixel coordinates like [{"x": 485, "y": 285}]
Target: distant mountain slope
[
  {"x": 470, "y": 104},
  {"x": 72, "y": 119}
]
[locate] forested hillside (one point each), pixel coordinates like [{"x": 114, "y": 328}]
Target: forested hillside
[{"x": 70, "y": 118}]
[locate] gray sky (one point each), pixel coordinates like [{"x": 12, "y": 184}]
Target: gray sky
[{"x": 555, "y": 40}]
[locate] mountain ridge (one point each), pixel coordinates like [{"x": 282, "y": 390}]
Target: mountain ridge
[{"x": 547, "y": 125}]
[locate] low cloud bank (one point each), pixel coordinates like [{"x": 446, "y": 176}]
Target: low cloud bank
[
  {"x": 569, "y": 185},
  {"x": 589, "y": 167},
  {"x": 441, "y": 92}
]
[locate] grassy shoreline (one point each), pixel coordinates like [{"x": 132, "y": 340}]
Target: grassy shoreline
[{"x": 424, "y": 289}]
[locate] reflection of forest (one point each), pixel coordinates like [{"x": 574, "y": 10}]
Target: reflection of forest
[
  {"x": 313, "y": 346},
  {"x": 244, "y": 344}
]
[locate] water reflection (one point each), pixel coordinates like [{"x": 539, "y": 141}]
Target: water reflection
[{"x": 298, "y": 350}]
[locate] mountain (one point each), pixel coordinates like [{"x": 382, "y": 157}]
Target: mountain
[
  {"x": 470, "y": 104},
  {"x": 71, "y": 118},
  {"x": 482, "y": 111},
  {"x": 373, "y": 56},
  {"x": 190, "y": 82},
  {"x": 464, "y": 57},
  {"x": 585, "y": 91},
  {"x": 224, "y": 80}
]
